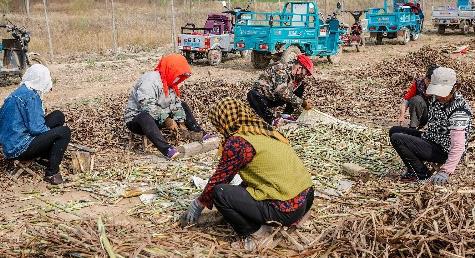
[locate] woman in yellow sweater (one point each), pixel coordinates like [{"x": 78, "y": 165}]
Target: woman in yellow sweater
[{"x": 276, "y": 185}]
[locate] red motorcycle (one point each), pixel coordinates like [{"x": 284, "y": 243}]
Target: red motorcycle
[{"x": 354, "y": 34}]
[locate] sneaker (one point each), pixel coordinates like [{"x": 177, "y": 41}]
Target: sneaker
[
  {"x": 260, "y": 240},
  {"x": 207, "y": 136},
  {"x": 276, "y": 122},
  {"x": 172, "y": 153},
  {"x": 289, "y": 118},
  {"x": 55, "y": 179},
  {"x": 252, "y": 243},
  {"x": 410, "y": 177}
]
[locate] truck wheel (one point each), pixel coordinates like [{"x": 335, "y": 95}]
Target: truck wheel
[
  {"x": 244, "y": 53},
  {"x": 259, "y": 60},
  {"x": 215, "y": 56},
  {"x": 362, "y": 41},
  {"x": 406, "y": 37},
  {"x": 335, "y": 59},
  {"x": 290, "y": 54},
  {"x": 465, "y": 29},
  {"x": 379, "y": 39},
  {"x": 188, "y": 57},
  {"x": 441, "y": 29}
]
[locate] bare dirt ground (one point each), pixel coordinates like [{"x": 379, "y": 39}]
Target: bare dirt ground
[{"x": 31, "y": 209}]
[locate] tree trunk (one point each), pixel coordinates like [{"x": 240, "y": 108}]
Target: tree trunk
[
  {"x": 114, "y": 29},
  {"x": 50, "y": 42},
  {"x": 173, "y": 27},
  {"x": 27, "y": 7}
]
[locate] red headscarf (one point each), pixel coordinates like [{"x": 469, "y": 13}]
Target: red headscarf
[{"x": 171, "y": 67}]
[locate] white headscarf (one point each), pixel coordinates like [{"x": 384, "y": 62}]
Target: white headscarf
[{"x": 38, "y": 78}]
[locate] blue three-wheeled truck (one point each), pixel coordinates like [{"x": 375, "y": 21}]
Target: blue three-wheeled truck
[
  {"x": 402, "y": 20},
  {"x": 298, "y": 28}
]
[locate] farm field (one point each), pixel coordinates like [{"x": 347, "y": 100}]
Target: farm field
[{"x": 133, "y": 198}]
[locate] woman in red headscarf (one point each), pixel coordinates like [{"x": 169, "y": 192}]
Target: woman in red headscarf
[{"x": 155, "y": 99}]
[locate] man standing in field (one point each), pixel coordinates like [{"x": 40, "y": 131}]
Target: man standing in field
[{"x": 282, "y": 84}]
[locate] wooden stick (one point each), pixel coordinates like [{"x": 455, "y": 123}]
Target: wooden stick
[
  {"x": 50, "y": 42},
  {"x": 114, "y": 30},
  {"x": 173, "y": 27},
  {"x": 82, "y": 147},
  {"x": 104, "y": 240}
]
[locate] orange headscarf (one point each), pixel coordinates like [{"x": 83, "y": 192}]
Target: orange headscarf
[{"x": 171, "y": 67}]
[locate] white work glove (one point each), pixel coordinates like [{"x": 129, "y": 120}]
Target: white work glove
[
  {"x": 440, "y": 178},
  {"x": 192, "y": 214}
]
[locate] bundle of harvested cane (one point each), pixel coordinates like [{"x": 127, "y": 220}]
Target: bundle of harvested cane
[
  {"x": 201, "y": 95},
  {"x": 98, "y": 123},
  {"x": 385, "y": 219}
]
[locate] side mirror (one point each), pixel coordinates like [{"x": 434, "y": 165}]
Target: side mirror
[{"x": 338, "y": 5}]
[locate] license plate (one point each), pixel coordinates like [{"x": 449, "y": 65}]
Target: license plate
[{"x": 192, "y": 42}]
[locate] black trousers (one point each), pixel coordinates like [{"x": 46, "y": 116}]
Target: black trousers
[
  {"x": 414, "y": 150},
  {"x": 50, "y": 145},
  {"x": 144, "y": 124},
  {"x": 264, "y": 106},
  {"x": 246, "y": 215},
  {"x": 418, "y": 111}
]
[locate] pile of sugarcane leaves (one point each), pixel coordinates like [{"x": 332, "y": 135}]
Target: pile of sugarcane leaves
[{"x": 379, "y": 218}]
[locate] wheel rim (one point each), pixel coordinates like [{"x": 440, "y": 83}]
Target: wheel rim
[
  {"x": 406, "y": 37},
  {"x": 215, "y": 56},
  {"x": 465, "y": 29}
]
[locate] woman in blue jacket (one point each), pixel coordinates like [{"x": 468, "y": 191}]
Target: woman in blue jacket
[{"x": 25, "y": 132}]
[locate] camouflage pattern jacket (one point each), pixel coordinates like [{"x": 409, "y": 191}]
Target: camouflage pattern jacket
[
  {"x": 276, "y": 83},
  {"x": 148, "y": 95}
]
